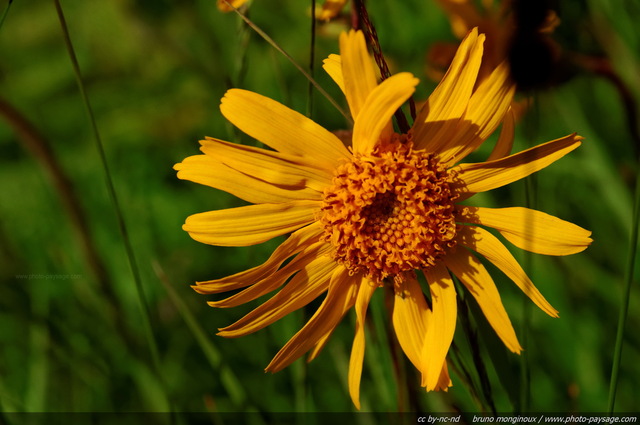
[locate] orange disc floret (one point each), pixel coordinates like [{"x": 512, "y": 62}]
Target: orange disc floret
[{"x": 389, "y": 211}]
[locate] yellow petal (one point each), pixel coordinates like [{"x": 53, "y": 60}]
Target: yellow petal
[
  {"x": 306, "y": 286},
  {"x": 333, "y": 66},
  {"x": 340, "y": 298},
  {"x": 505, "y": 141},
  {"x": 531, "y": 230},
  {"x": 440, "y": 115},
  {"x": 441, "y": 326},
  {"x": 444, "y": 382},
  {"x": 381, "y": 104},
  {"x": 303, "y": 261},
  {"x": 485, "y": 111},
  {"x": 475, "y": 277},
  {"x": 299, "y": 240},
  {"x": 206, "y": 170},
  {"x": 357, "y": 70},
  {"x": 484, "y": 176},
  {"x": 279, "y": 169},
  {"x": 281, "y": 128},
  {"x": 487, "y": 245},
  {"x": 250, "y": 225},
  {"x": 317, "y": 349},
  {"x": 410, "y": 318},
  {"x": 357, "y": 350}
]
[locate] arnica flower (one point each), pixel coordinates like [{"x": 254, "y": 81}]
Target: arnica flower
[{"x": 377, "y": 212}]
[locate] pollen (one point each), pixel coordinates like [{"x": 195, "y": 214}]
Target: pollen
[{"x": 390, "y": 211}]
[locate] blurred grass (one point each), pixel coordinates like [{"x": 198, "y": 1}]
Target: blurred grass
[{"x": 155, "y": 72}]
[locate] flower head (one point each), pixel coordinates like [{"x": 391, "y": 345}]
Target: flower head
[{"x": 376, "y": 212}]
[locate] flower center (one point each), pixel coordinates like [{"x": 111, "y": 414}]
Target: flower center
[{"x": 389, "y": 212}]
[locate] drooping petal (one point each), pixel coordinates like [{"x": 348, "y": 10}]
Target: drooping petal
[
  {"x": 302, "y": 262},
  {"x": 250, "y": 225},
  {"x": 381, "y": 104},
  {"x": 306, "y": 285},
  {"x": 531, "y": 230},
  {"x": 358, "y": 72},
  {"x": 281, "y": 128},
  {"x": 410, "y": 318},
  {"x": 206, "y": 170},
  {"x": 485, "y": 111},
  {"x": 296, "y": 242},
  {"x": 505, "y": 140},
  {"x": 317, "y": 348},
  {"x": 445, "y": 381},
  {"x": 340, "y": 298},
  {"x": 441, "y": 326},
  {"x": 357, "y": 350},
  {"x": 475, "y": 277},
  {"x": 273, "y": 167},
  {"x": 333, "y": 66},
  {"x": 483, "y": 176},
  {"x": 487, "y": 245},
  {"x": 439, "y": 117}
]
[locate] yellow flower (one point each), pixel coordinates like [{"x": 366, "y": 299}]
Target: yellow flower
[{"x": 371, "y": 214}]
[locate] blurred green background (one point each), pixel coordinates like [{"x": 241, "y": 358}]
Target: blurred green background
[{"x": 71, "y": 324}]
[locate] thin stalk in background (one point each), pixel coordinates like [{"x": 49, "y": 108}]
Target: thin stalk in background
[
  {"x": 624, "y": 308},
  {"x": 479, "y": 388},
  {"x": 243, "y": 37},
  {"x": 312, "y": 59},
  {"x": 525, "y": 370},
  {"x": 531, "y": 200},
  {"x": 228, "y": 379},
  {"x": 293, "y": 62},
  {"x": 383, "y": 350},
  {"x": 5, "y": 13},
  {"x": 41, "y": 149},
  {"x": 146, "y": 314}
]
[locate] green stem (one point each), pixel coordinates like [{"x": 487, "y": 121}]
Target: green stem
[
  {"x": 312, "y": 59},
  {"x": 530, "y": 191},
  {"x": 6, "y": 12},
  {"x": 228, "y": 379},
  {"x": 146, "y": 313},
  {"x": 293, "y": 62},
  {"x": 624, "y": 308},
  {"x": 525, "y": 371}
]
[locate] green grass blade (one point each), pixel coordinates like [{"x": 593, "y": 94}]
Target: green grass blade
[
  {"x": 293, "y": 62},
  {"x": 624, "y": 308},
  {"x": 146, "y": 314},
  {"x": 530, "y": 192},
  {"x": 229, "y": 381},
  {"x": 39, "y": 359},
  {"x": 5, "y": 13},
  {"x": 312, "y": 59}
]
